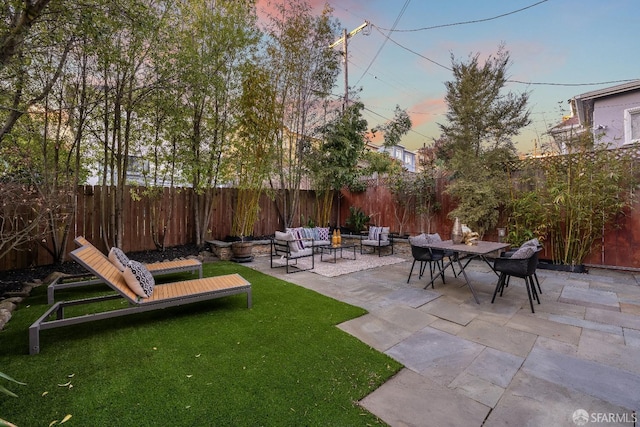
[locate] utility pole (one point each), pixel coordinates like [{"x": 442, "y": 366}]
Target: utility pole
[{"x": 343, "y": 39}]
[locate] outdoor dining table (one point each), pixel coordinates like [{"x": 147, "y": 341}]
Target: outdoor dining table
[{"x": 462, "y": 251}]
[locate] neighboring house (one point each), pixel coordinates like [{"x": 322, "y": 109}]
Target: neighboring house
[
  {"x": 405, "y": 157},
  {"x": 611, "y": 114}
]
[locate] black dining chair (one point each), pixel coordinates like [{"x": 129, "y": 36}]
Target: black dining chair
[
  {"x": 524, "y": 268},
  {"x": 426, "y": 256}
]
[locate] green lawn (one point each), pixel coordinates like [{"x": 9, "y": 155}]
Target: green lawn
[{"x": 282, "y": 362}]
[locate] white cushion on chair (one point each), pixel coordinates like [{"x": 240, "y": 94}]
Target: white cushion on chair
[{"x": 287, "y": 237}]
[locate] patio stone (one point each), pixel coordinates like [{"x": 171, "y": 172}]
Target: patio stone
[
  {"x": 630, "y": 307},
  {"x": 613, "y": 318},
  {"x": 451, "y": 311},
  {"x": 477, "y": 389},
  {"x": 410, "y": 296},
  {"x": 587, "y": 324},
  {"x": 609, "y": 350},
  {"x": 495, "y": 366},
  {"x": 546, "y": 328},
  {"x": 404, "y": 317},
  {"x": 533, "y": 401},
  {"x": 501, "y": 338},
  {"x": 410, "y": 399},
  {"x": 376, "y": 332},
  {"x": 632, "y": 337},
  {"x": 590, "y": 298},
  {"x": 556, "y": 307},
  {"x": 435, "y": 354},
  {"x": 446, "y": 326},
  {"x": 613, "y": 385}
]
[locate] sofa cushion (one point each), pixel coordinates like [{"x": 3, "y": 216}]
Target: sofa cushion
[{"x": 369, "y": 242}]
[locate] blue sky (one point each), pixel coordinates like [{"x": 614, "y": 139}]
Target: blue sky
[{"x": 565, "y": 42}]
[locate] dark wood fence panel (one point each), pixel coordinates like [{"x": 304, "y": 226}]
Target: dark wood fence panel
[{"x": 617, "y": 249}]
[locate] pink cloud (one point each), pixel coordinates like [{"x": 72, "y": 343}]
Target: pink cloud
[{"x": 427, "y": 111}]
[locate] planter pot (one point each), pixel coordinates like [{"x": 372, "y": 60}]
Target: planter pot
[
  {"x": 547, "y": 264},
  {"x": 242, "y": 251}
]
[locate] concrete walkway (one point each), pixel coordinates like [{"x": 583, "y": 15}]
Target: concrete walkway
[{"x": 469, "y": 364}]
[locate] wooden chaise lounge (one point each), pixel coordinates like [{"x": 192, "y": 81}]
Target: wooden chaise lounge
[
  {"x": 156, "y": 269},
  {"x": 164, "y": 295}
]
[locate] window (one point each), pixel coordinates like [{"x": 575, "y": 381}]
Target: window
[{"x": 632, "y": 125}]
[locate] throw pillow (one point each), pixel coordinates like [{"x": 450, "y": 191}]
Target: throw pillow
[
  {"x": 139, "y": 279},
  {"x": 307, "y": 232},
  {"x": 374, "y": 233},
  {"x": 298, "y": 236},
  {"x": 524, "y": 252},
  {"x": 118, "y": 258},
  {"x": 323, "y": 233}
]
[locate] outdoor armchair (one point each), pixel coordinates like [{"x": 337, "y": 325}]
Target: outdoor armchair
[
  {"x": 290, "y": 247},
  {"x": 522, "y": 263},
  {"x": 378, "y": 238}
]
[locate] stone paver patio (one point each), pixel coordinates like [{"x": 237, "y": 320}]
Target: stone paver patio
[{"x": 469, "y": 364}]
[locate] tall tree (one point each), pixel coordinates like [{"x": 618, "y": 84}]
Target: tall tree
[
  {"x": 482, "y": 119},
  {"x": 215, "y": 40},
  {"x": 305, "y": 71},
  {"x": 481, "y": 115},
  {"x": 333, "y": 163}
]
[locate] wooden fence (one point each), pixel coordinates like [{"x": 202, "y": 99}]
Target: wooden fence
[{"x": 617, "y": 249}]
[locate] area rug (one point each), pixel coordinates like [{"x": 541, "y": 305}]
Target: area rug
[{"x": 346, "y": 266}]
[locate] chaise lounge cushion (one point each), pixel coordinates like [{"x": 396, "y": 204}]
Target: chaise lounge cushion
[
  {"x": 139, "y": 279},
  {"x": 118, "y": 258}
]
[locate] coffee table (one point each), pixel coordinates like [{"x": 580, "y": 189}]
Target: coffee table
[{"x": 335, "y": 249}]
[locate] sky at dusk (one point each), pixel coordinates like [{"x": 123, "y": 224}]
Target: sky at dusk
[{"x": 404, "y": 57}]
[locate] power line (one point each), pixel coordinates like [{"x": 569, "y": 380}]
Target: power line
[
  {"x": 404, "y": 8},
  {"x": 475, "y": 21}
]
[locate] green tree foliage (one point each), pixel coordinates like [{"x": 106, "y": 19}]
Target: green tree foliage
[
  {"x": 333, "y": 163},
  {"x": 482, "y": 119},
  {"x": 395, "y": 129},
  {"x": 214, "y": 42},
  {"x": 254, "y": 146},
  {"x": 305, "y": 71}
]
